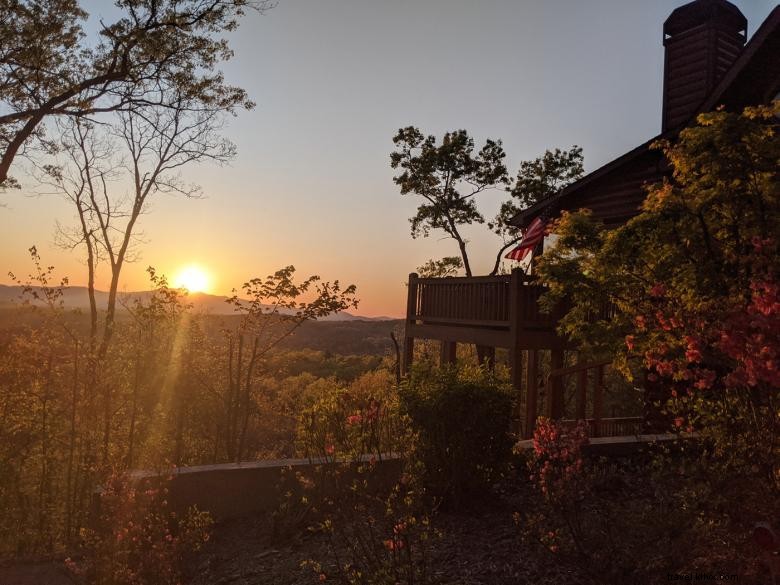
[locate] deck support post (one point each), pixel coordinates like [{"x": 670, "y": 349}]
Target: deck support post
[
  {"x": 531, "y": 392},
  {"x": 582, "y": 392},
  {"x": 555, "y": 390},
  {"x": 411, "y": 314},
  {"x": 598, "y": 401},
  {"x": 516, "y": 379},
  {"x": 515, "y": 353},
  {"x": 449, "y": 353}
]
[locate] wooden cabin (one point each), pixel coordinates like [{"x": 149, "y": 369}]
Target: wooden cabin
[{"x": 707, "y": 64}]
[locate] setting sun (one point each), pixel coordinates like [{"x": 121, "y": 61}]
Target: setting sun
[{"x": 193, "y": 278}]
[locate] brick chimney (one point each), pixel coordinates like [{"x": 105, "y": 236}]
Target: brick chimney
[{"x": 702, "y": 40}]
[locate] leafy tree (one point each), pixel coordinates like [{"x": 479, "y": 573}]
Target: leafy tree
[
  {"x": 144, "y": 101},
  {"x": 157, "y": 142},
  {"x": 536, "y": 180},
  {"x": 146, "y": 150},
  {"x": 153, "y": 55},
  {"x": 150, "y": 339},
  {"x": 448, "y": 176},
  {"x": 447, "y": 266},
  {"x": 694, "y": 278},
  {"x": 273, "y": 310}
]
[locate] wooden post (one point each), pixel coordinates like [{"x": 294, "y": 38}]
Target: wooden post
[
  {"x": 411, "y": 315},
  {"x": 449, "y": 351},
  {"x": 582, "y": 391},
  {"x": 598, "y": 401},
  {"x": 555, "y": 390},
  {"x": 515, "y": 353},
  {"x": 531, "y": 392},
  {"x": 516, "y": 378}
]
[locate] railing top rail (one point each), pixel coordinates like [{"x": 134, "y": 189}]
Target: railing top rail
[
  {"x": 604, "y": 420},
  {"x": 503, "y": 278}
]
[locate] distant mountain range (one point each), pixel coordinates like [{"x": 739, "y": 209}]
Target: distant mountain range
[{"x": 76, "y": 297}]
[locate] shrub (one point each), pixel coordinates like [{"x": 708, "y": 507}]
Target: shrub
[
  {"x": 376, "y": 538},
  {"x": 349, "y": 422},
  {"x": 639, "y": 519},
  {"x": 370, "y": 508},
  {"x": 462, "y": 419},
  {"x": 139, "y": 540}
]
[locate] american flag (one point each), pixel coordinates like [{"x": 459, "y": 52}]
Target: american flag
[{"x": 533, "y": 235}]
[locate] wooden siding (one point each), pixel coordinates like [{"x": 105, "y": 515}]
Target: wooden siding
[{"x": 616, "y": 197}]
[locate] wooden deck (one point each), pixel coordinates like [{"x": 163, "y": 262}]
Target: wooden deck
[
  {"x": 502, "y": 312},
  {"x": 495, "y": 311}
]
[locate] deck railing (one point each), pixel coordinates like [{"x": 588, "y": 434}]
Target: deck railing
[
  {"x": 481, "y": 301},
  {"x": 612, "y": 427}
]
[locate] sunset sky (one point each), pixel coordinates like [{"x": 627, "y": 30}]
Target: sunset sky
[{"x": 333, "y": 81}]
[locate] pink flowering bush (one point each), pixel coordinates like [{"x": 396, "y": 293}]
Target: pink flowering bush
[
  {"x": 623, "y": 521},
  {"x": 139, "y": 540},
  {"x": 557, "y": 465},
  {"x": 378, "y": 540},
  {"x": 366, "y": 497},
  {"x": 694, "y": 278},
  {"x": 351, "y": 421}
]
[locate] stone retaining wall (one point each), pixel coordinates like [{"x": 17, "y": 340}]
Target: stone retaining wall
[{"x": 232, "y": 490}]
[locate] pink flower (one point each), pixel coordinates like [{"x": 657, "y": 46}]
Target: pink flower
[
  {"x": 658, "y": 290},
  {"x": 706, "y": 379}
]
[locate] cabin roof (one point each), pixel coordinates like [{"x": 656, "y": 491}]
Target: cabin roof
[
  {"x": 684, "y": 17},
  {"x": 754, "y": 78}
]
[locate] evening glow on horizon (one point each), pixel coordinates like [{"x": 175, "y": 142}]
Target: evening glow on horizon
[{"x": 194, "y": 278}]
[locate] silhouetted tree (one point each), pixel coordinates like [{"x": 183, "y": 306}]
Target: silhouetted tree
[
  {"x": 447, "y": 266},
  {"x": 448, "y": 176},
  {"x": 536, "y": 180},
  {"x": 271, "y": 310},
  {"x": 156, "y": 53}
]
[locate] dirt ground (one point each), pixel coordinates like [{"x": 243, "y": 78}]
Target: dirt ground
[
  {"x": 476, "y": 548},
  {"x": 39, "y": 573}
]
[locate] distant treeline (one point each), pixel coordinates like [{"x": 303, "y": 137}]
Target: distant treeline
[{"x": 354, "y": 337}]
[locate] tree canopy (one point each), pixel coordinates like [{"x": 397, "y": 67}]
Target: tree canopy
[
  {"x": 537, "y": 180},
  {"x": 156, "y": 53},
  {"x": 448, "y": 176},
  {"x": 694, "y": 279}
]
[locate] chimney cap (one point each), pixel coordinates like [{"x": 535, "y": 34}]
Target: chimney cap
[{"x": 700, "y": 12}]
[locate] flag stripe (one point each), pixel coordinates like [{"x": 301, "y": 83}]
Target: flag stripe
[{"x": 533, "y": 235}]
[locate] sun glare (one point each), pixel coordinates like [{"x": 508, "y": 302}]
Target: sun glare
[{"x": 193, "y": 278}]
